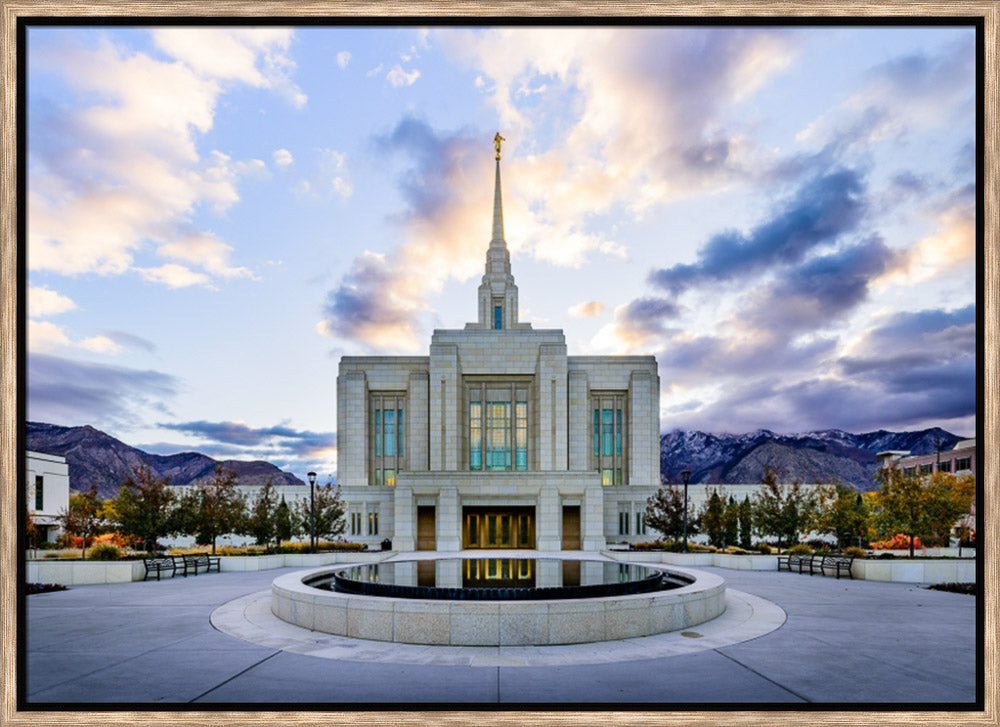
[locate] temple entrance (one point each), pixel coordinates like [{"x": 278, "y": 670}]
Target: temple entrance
[
  {"x": 571, "y": 527},
  {"x": 426, "y": 539},
  {"x": 506, "y": 527}
]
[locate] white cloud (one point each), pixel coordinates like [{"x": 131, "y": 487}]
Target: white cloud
[
  {"x": 45, "y": 336},
  {"x": 100, "y": 344},
  {"x": 283, "y": 157},
  {"x": 398, "y": 77},
  {"x": 174, "y": 276},
  {"x": 587, "y": 309},
  {"x": 117, "y": 169},
  {"x": 43, "y": 302},
  {"x": 343, "y": 58}
]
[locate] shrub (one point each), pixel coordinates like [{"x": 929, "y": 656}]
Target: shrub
[
  {"x": 763, "y": 548},
  {"x": 855, "y": 551},
  {"x": 104, "y": 551},
  {"x": 897, "y": 542},
  {"x": 799, "y": 549},
  {"x": 32, "y": 588}
]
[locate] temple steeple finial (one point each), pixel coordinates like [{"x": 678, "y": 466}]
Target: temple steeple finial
[{"x": 498, "y": 293}]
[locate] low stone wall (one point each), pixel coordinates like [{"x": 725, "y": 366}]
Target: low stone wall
[
  {"x": 83, "y": 572},
  {"x": 86, "y": 572},
  {"x": 901, "y": 570},
  {"x": 508, "y": 623},
  {"x": 894, "y": 570}
]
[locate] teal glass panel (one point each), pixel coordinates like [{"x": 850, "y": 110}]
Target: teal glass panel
[
  {"x": 497, "y": 317},
  {"x": 399, "y": 432},
  {"x": 618, "y": 432},
  {"x": 475, "y": 436},
  {"x": 389, "y": 438},
  {"x": 607, "y": 431},
  {"x": 378, "y": 432}
]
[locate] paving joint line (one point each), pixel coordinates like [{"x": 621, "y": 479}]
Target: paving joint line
[
  {"x": 762, "y": 676},
  {"x": 234, "y": 676}
]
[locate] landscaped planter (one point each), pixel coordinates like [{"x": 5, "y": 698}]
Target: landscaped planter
[
  {"x": 903, "y": 570},
  {"x": 83, "y": 572}
]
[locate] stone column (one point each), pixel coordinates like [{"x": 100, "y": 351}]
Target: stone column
[
  {"x": 592, "y": 519},
  {"x": 352, "y": 418},
  {"x": 548, "y": 519},
  {"x": 404, "y": 535},
  {"x": 580, "y": 434},
  {"x": 417, "y": 454},
  {"x": 448, "y": 528}
]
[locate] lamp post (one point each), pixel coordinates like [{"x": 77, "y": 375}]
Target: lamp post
[
  {"x": 686, "y": 475},
  {"x": 858, "y": 503},
  {"x": 312, "y": 511}
]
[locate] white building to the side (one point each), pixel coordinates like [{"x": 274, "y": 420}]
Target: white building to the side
[
  {"x": 47, "y": 483},
  {"x": 497, "y": 438}
]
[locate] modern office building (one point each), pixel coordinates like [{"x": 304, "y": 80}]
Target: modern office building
[{"x": 497, "y": 438}]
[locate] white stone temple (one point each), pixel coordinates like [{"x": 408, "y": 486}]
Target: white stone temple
[{"x": 497, "y": 438}]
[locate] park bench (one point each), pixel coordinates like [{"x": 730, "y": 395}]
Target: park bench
[
  {"x": 835, "y": 563},
  {"x": 158, "y": 565},
  {"x": 800, "y": 563},
  {"x": 202, "y": 560}
]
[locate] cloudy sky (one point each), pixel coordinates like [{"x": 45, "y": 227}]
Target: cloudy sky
[{"x": 784, "y": 216}]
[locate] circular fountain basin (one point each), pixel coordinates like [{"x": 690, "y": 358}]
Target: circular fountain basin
[{"x": 557, "y": 601}]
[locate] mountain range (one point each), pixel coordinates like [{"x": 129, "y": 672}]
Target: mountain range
[
  {"x": 96, "y": 458},
  {"x": 823, "y": 456}
]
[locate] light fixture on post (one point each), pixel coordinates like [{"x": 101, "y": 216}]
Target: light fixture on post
[
  {"x": 312, "y": 511},
  {"x": 686, "y": 475}
]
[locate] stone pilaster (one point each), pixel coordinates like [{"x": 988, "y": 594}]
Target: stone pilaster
[
  {"x": 444, "y": 398},
  {"x": 352, "y": 422},
  {"x": 548, "y": 520},
  {"x": 579, "y": 423},
  {"x": 418, "y": 454},
  {"x": 404, "y": 535},
  {"x": 592, "y": 519},
  {"x": 449, "y": 520}
]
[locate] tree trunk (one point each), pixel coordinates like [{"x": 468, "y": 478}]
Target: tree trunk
[{"x": 911, "y": 546}]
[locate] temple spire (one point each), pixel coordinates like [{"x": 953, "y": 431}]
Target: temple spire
[
  {"x": 497, "y": 209},
  {"x": 498, "y": 293}
]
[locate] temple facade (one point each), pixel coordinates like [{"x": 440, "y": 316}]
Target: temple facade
[{"x": 497, "y": 438}]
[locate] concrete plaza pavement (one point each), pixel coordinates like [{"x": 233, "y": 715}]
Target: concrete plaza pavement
[{"x": 843, "y": 642}]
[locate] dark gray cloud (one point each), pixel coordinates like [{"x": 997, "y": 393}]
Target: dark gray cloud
[
  {"x": 372, "y": 303},
  {"x": 364, "y": 301},
  {"x": 439, "y": 159},
  {"x": 127, "y": 340},
  {"x": 241, "y": 435},
  {"x": 822, "y": 290},
  {"x": 824, "y": 208},
  {"x": 68, "y": 392},
  {"x": 645, "y": 316},
  {"x": 914, "y": 368}
]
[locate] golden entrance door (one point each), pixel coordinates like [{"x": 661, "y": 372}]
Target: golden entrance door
[
  {"x": 508, "y": 528},
  {"x": 426, "y": 538}
]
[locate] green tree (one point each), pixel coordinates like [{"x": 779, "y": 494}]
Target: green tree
[
  {"x": 330, "y": 509},
  {"x": 83, "y": 518},
  {"x": 261, "y": 519},
  {"x": 924, "y": 507},
  {"x": 781, "y": 511},
  {"x": 841, "y": 512},
  {"x": 665, "y": 512},
  {"x": 212, "y": 508},
  {"x": 713, "y": 520},
  {"x": 745, "y": 517},
  {"x": 283, "y": 525},
  {"x": 144, "y": 507},
  {"x": 731, "y": 522}
]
